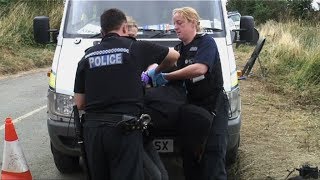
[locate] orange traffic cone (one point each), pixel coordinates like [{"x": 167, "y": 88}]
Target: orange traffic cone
[{"x": 14, "y": 165}]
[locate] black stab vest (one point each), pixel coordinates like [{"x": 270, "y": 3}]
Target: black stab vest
[{"x": 211, "y": 85}]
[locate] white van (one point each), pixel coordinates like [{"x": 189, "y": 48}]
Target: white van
[{"x": 80, "y": 29}]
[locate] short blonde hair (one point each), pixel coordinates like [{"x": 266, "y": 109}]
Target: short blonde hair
[
  {"x": 190, "y": 14},
  {"x": 131, "y": 22}
]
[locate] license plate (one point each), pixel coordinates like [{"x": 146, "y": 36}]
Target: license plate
[{"x": 163, "y": 145}]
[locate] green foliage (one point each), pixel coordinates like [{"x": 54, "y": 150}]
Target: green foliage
[
  {"x": 275, "y": 10},
  {"x": 292, "y": 58},
  {"x": 300, "y": 8},
  {"x": 16, "y": 21},
  {"x": 18, "y": 51}
]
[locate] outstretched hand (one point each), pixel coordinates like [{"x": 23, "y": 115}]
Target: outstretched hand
[
  {"x": 160, "y": 79},
  {"x": 152, "y": 74}
]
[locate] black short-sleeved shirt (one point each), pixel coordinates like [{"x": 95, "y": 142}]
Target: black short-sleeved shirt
[
  {"x": 202, "y": 49},
  {"x": 206, "y": 52},
  {"x": 109, "y": 74}
]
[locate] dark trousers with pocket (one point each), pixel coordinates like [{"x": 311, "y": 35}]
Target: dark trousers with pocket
[
  {"x": 211, "y": 164},
  {"x": 111, "y": 154},
  {"x": 153, "y": 166}
]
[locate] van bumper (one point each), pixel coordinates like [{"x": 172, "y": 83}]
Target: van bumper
[
  {"x": 62, "y": 135},
  {"x": 234, "y": 126}
]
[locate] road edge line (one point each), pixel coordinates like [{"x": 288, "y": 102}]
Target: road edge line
[{"x": 25, "y": 116}]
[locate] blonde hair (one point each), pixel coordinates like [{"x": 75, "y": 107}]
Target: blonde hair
[
  {"x": 190, "y": 14},
  {"x": 132, "y": 24}
]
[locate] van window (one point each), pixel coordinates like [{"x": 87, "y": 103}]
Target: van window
[{"x": 83, "y": 17}]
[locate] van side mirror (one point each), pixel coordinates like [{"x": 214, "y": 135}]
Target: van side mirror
[
  {"x": 247, "y": 29},
  {"x": 42, "y": 32}
]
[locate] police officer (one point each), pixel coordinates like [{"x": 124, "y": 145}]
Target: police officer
[
  {"x": 203, "y": 121},
  {"x": 108, "y": 87}
]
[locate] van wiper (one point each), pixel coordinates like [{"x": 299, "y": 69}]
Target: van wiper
[
  {"x": 206, "y": 29},
  {"x": 158, "y": 32},
  {"x": 96, "y": 35}
]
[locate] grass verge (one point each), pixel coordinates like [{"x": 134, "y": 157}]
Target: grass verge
[
  {"x": 291, "y": 58},
  {"x": 18, "y": 51}
]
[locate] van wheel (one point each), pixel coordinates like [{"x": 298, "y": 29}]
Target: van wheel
[
  {"x": 233, "y": 154},
  {"x": 65, "y": 163}
]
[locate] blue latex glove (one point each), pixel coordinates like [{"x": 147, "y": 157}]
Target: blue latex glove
[
  {"x": 152, "y": 74},
  {"x": 160, "y": 79}
]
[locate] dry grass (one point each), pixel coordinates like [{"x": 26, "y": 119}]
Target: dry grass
[
  {"x": 18, "y": 51},
  {"x": 292, "y": 58},
  {"x": 277, "y": 134},
  {"x": 17, "y": 60}
]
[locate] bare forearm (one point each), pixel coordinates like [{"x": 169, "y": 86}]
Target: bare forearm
[
  {"x": 79, "y": 100},
  {"x": 188, "y": 72},
  {"x": 169, "y": 61},
  {"x": 163, "y": 66}
]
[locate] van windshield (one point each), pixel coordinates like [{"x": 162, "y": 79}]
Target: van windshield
[{"x": 154, "y": 18}]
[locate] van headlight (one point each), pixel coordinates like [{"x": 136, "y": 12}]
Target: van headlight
[
  {"x": 235, "y": 103},
  {"x": 63, "y": 104}
]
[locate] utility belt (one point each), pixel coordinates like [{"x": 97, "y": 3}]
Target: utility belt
[{"x": 125, "y": 123}]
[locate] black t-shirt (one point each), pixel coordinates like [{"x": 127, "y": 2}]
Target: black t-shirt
[
  {"x": 109, "y": 74},
  {"x": 205, "y": 51}
]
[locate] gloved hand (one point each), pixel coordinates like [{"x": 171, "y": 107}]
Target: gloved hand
[
  {"x": 160, "y": 79},
  {"x": 152, "y": 74},
  {"x": 146, "y": 80}
]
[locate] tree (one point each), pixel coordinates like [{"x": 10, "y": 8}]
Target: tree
[
  {"x": 300, "y": 8},
  {"x": 276, "y": 10}
]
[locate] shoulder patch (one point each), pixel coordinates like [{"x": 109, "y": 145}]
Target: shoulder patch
[{"x": 193, "y": 48}]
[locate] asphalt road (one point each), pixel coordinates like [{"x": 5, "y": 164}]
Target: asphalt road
[{"x": 23, "y": 98}]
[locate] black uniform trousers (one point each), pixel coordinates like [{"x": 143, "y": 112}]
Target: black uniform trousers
[
  {"x": 153, "y": 167},
  {"x": 111, "y": 154},
  {"x": 169, "y": 109},
  {"x": 211, "y": 165}
]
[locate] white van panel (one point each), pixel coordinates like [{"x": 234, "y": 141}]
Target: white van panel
[
  {"x": 225, "y": 61},
  {"x": 233, "y": 68},
  {"x": 55, "y": 60},
  {"x": 70, "y": 55}
]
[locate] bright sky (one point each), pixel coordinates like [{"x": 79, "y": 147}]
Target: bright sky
[{"x": 315, "y": 5}]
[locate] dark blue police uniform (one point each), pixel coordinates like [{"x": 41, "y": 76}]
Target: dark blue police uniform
[
  {"x": 203, "y": 121},
  {"x": 109, "y": 76}
]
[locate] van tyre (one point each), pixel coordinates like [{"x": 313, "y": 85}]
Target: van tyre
[
  {"x": 65, "y": 163},
  {"x": 233, "y": 154}
]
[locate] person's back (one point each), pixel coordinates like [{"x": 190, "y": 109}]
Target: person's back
[{"x": 113, "y": 82}]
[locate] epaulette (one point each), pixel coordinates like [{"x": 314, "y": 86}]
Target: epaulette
[
  {"x": 198, "y": 35},
  {"x": 130, "y": 37},
  {"x": 85, "y": 51}
]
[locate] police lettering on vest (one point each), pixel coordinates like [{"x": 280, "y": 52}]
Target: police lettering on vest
[{"x": 106, "y": 57}]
